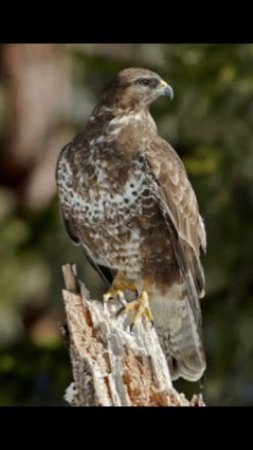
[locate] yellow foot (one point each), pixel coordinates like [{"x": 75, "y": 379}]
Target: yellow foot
[
  {"x": 114, "y": 293},
  {"x": 119, "y": 286},
  {"x": 142, "y": 308}
]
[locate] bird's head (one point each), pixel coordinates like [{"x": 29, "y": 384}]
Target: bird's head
[{"x": 135, "y": 88}]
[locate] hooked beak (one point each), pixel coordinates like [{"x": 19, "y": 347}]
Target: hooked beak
[{"x": 167, "y": 90}]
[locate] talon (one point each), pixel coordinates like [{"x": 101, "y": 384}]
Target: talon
[
  {"x": 120, "y": 284},
  {"x": 142, "y": 308},
  {"x": 112, "y": 293},
  {"x": 120, "y": 311},
  {"x": 131, "y": 327}
]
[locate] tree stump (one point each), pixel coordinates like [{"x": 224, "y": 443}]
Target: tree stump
[{"x": 113, "y": 366}]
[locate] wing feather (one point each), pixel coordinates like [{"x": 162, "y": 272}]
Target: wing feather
[
  {"x": 180, "y": 210},
  {"x": 104, "y": 272}
]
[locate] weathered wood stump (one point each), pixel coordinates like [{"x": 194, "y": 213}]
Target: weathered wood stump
[{"x": 113, "y": 366}]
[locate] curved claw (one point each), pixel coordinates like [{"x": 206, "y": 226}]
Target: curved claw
[{"x": 120, "y": 311}]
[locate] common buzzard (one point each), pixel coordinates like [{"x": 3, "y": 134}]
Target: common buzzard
[{"x": 126, "y": 199}]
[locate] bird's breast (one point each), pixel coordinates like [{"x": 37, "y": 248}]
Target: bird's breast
[
  {"x": 110, "y": 193},
  {"x": 112, "y": 206}
]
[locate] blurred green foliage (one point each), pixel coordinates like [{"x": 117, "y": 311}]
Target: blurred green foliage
[{"x": 210, "y": 124}]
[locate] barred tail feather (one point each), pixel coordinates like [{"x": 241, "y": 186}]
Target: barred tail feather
[
  {"x": 180, "y": 338},
  {"x": 186, "y": 348}
]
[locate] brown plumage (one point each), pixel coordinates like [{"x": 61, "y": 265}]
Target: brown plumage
[{"x": 126, "y": 199}]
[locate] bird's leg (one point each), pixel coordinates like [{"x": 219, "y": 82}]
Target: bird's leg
[
  {"x": 119, "y": 285},
  {"x": 140, "y": 305},
  {"x": 142, "y": 308}
]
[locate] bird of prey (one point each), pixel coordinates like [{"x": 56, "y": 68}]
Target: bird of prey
[{"x": 127, "y": 201}]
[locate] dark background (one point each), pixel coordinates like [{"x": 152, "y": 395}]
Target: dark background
[{"x": 46, "y": 95}]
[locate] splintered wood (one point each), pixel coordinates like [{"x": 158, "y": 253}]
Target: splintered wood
[{"x": 113, "y": 366}]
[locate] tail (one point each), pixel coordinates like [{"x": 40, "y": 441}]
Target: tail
[{"x": 180, "y": 337}]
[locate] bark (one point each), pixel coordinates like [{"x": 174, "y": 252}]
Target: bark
[{"x": 113, "y": 366}]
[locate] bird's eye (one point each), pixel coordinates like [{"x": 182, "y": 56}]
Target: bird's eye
[
  {"x": 144, "y": 81},
  {"x": 150, "y": 82}
]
